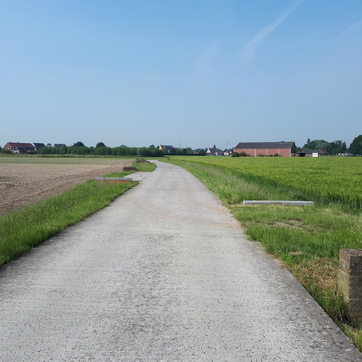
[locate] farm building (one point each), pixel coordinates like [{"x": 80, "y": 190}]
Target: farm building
[
  {"x": 214, "y": 151},
  {"x": 316, "y": 153},
  {"x": 166, "y": 148},
  {"x": 17, "y": 147},
  {"x": 38, "y": 146},
  {"x": 285, "y": 149}
]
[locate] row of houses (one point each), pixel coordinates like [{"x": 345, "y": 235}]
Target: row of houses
[
  {"x": 253, "y": 149},
  {"x": 284, "y": 149},
  {"x": 19, "y": 147}
]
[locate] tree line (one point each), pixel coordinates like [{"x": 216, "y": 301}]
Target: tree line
[
  {"x": 335, "y": 147},
  {"x": 101, "y": 149}
]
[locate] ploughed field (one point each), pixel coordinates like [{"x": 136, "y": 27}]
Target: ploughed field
[{"x": 25, "y": 181}]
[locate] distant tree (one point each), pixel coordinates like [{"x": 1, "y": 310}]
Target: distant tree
[
  {"x": 333, "y": 148},
  {"x": 337, "y": 147},
  {"x": 102, "y": 151},
  {"x": 63, "y": 149},
  {"x": 100, "y": 144},
  {"x": 80, "y": 150},
  {"x": 317, "y": 145},
  {"x": 6, "y": 151},
  {"x": 202, "y": 152},
  {"x": 47, "y": 150},
  {"x": 79, "y": 144},
  {"x": 121, "y": 151},
  {"x": 356, "y": 146},
  {"x": 235, "y": 154}
]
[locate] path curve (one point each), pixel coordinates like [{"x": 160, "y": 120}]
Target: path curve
[{"x": 163, "y": 274}]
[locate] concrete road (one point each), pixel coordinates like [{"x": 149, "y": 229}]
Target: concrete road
[{"x": 163, "y": 274}]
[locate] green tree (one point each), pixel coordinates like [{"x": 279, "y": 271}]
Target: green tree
[
  {"x": 337, "y": 146},
  {"x": 317, "y": 145},
  {"x": 79, "y": 144},
  {"x": 102, "y": 151},
  {"x": 356, "y": 146},
  {"x": 100, "y": 144},
  {"x": 47, "y": 150},
  {"x": 63, "y": 149}
]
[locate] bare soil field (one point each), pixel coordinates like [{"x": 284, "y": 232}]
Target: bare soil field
[{"x": 23, "y": 184}]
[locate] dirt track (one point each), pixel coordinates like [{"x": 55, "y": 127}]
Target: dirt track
[{"x": 25, "y": 184}]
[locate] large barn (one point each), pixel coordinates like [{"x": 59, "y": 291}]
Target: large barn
[{"x": 284, "y": 149}]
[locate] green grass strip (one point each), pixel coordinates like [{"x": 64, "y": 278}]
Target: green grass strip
[{"x": 23, "y": 229}]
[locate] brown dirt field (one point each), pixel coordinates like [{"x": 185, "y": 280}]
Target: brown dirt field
[{"x": 25, "y": 184}]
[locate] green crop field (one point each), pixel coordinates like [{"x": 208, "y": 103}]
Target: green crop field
[
  {"x": 306, "y": 239},
  {"x": 323, "y": 179}
]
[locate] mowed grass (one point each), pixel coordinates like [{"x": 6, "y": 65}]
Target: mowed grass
[
  {"x": 307, "y": 239},
  {"x": 23, "y": 229}
]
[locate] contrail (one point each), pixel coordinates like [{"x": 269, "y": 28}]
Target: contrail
[{"x": 252, "y": 44}]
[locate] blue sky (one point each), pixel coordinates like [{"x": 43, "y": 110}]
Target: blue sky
[{"x": 190, "y": 73}]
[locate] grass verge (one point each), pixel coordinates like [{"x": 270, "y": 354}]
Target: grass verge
[
  {"x": 23, "y": 229},
  {"x": 307, "y": 239}
]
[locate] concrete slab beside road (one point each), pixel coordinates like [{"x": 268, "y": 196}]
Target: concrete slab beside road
[
  {"x": 163, "y": 274},
  {"x": 278, "y": 202},
  {"x": 138, "y": 176}
]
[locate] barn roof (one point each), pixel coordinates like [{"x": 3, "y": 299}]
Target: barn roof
[
  {"x": 260, "y": 145},
  {"x": 22, "y": 145},
  {"x": 168, "y": 147},
  {"x": 38, "y": 145}
]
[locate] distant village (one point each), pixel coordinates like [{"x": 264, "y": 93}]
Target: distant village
[{"x": 242, "y": 149}]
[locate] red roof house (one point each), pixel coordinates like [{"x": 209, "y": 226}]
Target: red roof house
[{"x": 17, "y": 147}]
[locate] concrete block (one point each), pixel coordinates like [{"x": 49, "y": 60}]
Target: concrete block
[
  {"x": 350, "y": 281},
  {"x": 113, "y": 179},
  {"x": 278, "y": 202}
]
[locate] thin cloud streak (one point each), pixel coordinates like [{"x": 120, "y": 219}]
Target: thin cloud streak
[
  {"x": 250, "y": 47},
  {"x": 351, "y": 30}
]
